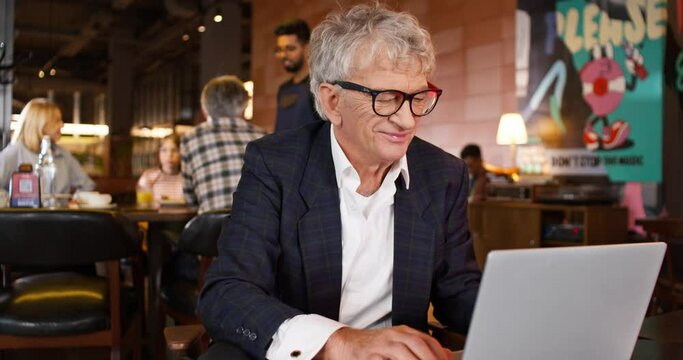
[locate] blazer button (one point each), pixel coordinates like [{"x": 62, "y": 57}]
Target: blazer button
[
  {"x": 240, "y": 330},
  {"x": 295, "y": 353},
  {"x": 252, "y": 336}
]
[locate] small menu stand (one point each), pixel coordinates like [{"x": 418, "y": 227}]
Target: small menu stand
[{"x": 24, "y": 188}]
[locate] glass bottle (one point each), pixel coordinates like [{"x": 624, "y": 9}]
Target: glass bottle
[{"x": 46, "y": 170}]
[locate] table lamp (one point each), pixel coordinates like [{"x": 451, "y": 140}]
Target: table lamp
[{"x": 511, "y": 131}]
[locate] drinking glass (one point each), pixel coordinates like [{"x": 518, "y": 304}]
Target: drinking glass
[{"x": 144, "y": 197}]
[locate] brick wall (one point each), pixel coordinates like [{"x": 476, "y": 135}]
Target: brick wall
[{"x": 474, "y": 40}]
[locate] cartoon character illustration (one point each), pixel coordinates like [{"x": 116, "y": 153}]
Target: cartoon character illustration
[{"x": 604, "y": 85}]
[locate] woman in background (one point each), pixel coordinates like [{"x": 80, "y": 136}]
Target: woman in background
[
  {"x": 41, "y": 117},
  {"x": 165, "y": 181}
]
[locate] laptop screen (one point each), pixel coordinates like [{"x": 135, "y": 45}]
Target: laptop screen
[{"x": 583, "y": 302}]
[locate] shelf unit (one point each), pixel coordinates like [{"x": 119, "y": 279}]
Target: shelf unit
[{"x": 498, "y": 224}]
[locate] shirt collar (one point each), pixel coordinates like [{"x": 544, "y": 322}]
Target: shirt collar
[
  {"x": 341, "y": 162},
  {"x": 57, "y": 151},
  {"x": 227, "y": 121}
]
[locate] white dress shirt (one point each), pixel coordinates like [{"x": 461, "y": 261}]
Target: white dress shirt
[{"x": 367, "y": 263}]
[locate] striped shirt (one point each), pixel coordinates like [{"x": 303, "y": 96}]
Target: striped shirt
[
  {"x": 164, "y": 186},
  {"x": 211, "y": 161}
]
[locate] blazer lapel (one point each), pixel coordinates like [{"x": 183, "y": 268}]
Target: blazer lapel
[
  {"x": 413, "y": 252},
  {"x": 320, "y": 229}
]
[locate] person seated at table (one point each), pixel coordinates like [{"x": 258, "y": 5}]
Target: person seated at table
[
  {"x": 211, "y": 159},
  {"x": 211, "y": 154},
  {"x": 478, "y": 178},
  {"x": 343, "y": 231},
  {"x": 164, "y": 180},
  {"x": 41, "y": 117}
]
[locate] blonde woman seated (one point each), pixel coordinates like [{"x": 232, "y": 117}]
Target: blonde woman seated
[
  {"x": 165, "y": 181},
  {"x": 42, "y": 117}
]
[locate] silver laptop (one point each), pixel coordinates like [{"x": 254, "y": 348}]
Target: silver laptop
[{"x": 583, "y": 302}]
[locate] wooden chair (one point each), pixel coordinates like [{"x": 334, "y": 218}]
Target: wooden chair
[
  {"x": 68, "y": 309},
  {"x": 186, "y": 340},
  {"x": 669, "y": 288}
]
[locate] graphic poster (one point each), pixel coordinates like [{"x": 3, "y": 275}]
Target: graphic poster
[{"x": 589, "y": 85}]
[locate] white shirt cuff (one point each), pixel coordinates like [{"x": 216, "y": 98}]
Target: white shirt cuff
[{"x": 301, "y": 337}]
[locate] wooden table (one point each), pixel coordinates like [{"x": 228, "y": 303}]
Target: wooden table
[
  {"x": 660, "y": 338},
  {"x": 665, "y": 220},
  {"x": 653, "y": 350},
  {"x": 669, "y": 229},
  {"x": 156, "y": 218},
  {"x": 644, "y": 350},
  {"x": 667, "y": 327}
]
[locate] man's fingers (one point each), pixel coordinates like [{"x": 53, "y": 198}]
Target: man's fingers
[
  {"x": 401, "y": 350},
  {"x": 430, "y": 341},
  {"x": 420, "y": 344},
  {"x": 399, "y": 342},
  {"x": 423, "y": 349}
]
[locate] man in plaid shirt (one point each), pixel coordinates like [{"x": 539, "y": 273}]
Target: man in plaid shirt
[{"x": 212, "y": 153}]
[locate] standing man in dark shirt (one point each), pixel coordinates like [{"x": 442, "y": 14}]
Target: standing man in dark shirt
[{"x": 294, "y": 102}]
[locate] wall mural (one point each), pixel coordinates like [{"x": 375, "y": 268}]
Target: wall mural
[{"x": 590, "y": 85}]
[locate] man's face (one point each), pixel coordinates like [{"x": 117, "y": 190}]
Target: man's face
[
  {"x": 367, "y": 137},
  {"x": 290, "y": 52}
]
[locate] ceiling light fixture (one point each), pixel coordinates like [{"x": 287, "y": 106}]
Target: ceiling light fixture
[
  {"x": 70, "y": 128},
  {"x": 201, "y": 28},
  {"x": 218, "y": 17},
  {"x": 186, "y": 37},
  {"x": 53, "y": 72},
  {"x": 146, "y": 132},
  {"x": 85, "y": 129},
  {"x": 41, "y": 74}
]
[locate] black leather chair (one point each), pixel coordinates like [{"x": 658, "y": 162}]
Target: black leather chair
[
  {"x": 68, "y": 309},
  {"x": 199, "y": 239}
]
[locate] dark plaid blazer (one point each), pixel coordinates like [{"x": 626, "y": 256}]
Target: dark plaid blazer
[{"x": 281, "y": 250}]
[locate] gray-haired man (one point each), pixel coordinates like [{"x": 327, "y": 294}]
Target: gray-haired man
[{"x": 343, "y": 232}]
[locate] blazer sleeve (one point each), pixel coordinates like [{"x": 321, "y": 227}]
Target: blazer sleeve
[
  {"x": 457, "y": 273},
  {"x": 238, "y": 302}
]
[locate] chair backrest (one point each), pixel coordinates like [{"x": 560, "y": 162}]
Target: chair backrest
[
  {"x": 200, "y": 236},
  {"x": 64, "y": 237}
]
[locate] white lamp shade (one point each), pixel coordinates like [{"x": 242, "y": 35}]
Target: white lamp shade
[{"x": 511, "y": 130}]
